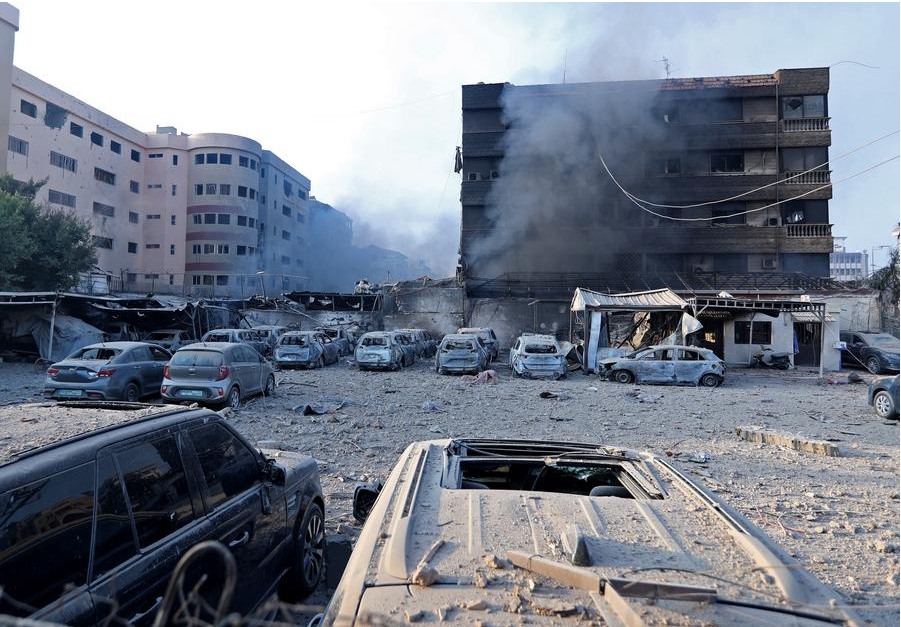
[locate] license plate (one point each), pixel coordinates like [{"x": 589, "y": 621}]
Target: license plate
[
  {"x": 70, "y": 393},
  {"x": 191, "y": 393}
]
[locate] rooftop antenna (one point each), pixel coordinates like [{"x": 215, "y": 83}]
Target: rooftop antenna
[
  {"x": 565, "y": 52},
  {"x": 666, "y": 66}
]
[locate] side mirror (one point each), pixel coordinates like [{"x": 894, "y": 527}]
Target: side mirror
[{"x": 365, "y": 495}]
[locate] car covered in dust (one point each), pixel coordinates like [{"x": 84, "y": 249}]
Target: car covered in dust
[
  {"x": 423, "y": 342},
  {"x": 537, "y": 355},
  {"x": 380, "y": 350},
  {"x": 340, "y": 337},
  {"x": 521, "y": 532},
  {"x": 461, "y": 353},
  {"x": 304, "y": 349},
  {"x": 666, "y": 364},
  {"x": 882, "y": 396},
  {"x": 488, "y": 337}
]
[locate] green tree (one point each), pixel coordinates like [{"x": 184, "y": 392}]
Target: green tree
[
  {"x": 886, "y": 280},
  {"x": 40, "y": 248}
]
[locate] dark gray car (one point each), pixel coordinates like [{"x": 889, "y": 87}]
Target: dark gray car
[
  {"x": 110, "y": 371},
  {"x": 217, "y": 373}
]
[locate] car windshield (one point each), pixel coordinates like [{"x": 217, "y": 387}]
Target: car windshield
[
  {"x": 541, "y": 349},
  {"x": 457, "y": 345},
  {"x": 97, "y": 352},
  {"x": 196, "y": 358}
]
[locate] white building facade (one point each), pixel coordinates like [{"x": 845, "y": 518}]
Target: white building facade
[{"x": 208, "y": 214}]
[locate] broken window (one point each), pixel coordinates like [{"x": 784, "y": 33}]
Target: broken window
[
  {"x": 762, "y": 332},
  {"x": 657, "y": 166},
  {"x": 812, "y": 106},
  {"x": 54, "y": 116},
  {"x": 538, "y": 475},
  {"x": 803, "y": 159},
  {"x": 727, "y": 162},
  {"x": 104, "y": 176}
]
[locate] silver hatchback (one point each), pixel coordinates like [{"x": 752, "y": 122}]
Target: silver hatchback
[{"x": 217, "y": 373}]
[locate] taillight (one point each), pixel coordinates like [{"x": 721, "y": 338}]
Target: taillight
[
  {"x": 166, "y": 372},
  {"x": 223, "y": 373},
  {"x": 52, "y": 372},
  {"x": 106, "y": 372}
]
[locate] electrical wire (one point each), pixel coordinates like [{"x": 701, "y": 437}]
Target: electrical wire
[
  {"x": 778, "y": 202},
  {"x": 731, "y": 198}
]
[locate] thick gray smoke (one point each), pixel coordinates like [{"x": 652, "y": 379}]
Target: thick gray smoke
[{"x": 553, "y": 208}]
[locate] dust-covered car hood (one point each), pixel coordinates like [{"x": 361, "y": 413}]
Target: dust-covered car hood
[{"x": 673, "y": 555}]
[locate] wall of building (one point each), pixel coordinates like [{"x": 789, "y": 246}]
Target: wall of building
[
  {"x": 782, "y": 340},
  {"x": 439, "y": 310}
]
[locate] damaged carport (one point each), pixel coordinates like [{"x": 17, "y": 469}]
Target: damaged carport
[
  {"x": 797, "y": 309},
  {"x": 591, "y": 310}
]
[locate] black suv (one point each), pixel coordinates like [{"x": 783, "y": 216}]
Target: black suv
[{"x": 92, "y": 526}]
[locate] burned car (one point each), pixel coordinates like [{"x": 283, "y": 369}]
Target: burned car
[
  {"x": 488, "y": 337},
  {"x": 170, "y": 339},
  {"x": 304, "y": 349},
  {"x": 423, "y": 342},
  {"x": 666, "y": 364},
  {"x": 93, "y": 522},
  {"x": 535, "y": 532},
  {"x": 340, "y": 337},
  {"x": 380, "y": 350},
  {"x": 461, "y": 353},
  {"x": 537, "y": 355},
  {"x": 258, "y": 340},
  {"x": 877, "y": 352}
]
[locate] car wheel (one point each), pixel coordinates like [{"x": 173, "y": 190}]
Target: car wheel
[
  {"x": 132, "y": 393},
  {"x": 623, "y": 376},
  {"x": 873, "y": 364},
  {"x": 709, "y": 381},
  {"x": 884, "y": 405},
  {"x": 233, "y": 399},
  {"x": 269, "y": 390},
  {"x": 309, "y": 558}
]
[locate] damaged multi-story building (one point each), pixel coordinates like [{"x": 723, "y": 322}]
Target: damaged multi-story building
[{"x": 700, "y": 185}]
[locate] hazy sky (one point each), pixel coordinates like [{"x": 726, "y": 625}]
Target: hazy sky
[{"x": 364, "y": 99}]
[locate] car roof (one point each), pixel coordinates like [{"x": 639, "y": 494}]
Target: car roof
[
  {"x": 123, "y": 345},
  {"x": 94, "y": 424},
  {"x": 690, "y": 537},
  {"x": 208, "y": 346}
]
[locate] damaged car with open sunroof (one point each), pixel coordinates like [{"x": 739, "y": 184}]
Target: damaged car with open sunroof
[{"x": 512, "y": 532}]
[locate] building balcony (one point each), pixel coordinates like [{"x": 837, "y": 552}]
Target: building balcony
[
  {"x": 808, "y": 230},
  {"x": 815, "y": 177},
  {"x": 723, "y": 239},
  {"x": 805, "y": 124}
]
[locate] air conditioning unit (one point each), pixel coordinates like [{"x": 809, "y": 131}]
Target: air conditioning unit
[
  {"x": 773, "y": 221},
  {"x": 769, "y": 264}
]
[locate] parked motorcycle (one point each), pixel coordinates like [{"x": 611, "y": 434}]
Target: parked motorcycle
[{"x": 768, "y": 358}]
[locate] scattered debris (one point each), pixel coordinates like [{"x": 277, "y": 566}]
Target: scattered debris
[{"x": 766, "y": 436}]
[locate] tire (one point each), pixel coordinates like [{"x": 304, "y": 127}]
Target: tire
[
  {"x": 233, "y": 398},
  {"x": 873, "y": 364},
  {"x": 709, "y": 381},
  {"x": 623, "y": 376},
  {"x": 131, "y": 393},
  {"x": 309, "y": 558},
  {"x": 269, "y": 388},
  {"x": 884, "y": 405}
]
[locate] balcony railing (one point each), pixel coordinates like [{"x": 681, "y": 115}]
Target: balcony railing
[
  {"x": 816, "y": 177},
  {"x": 805, "y": 124},
  {"x": 808, "y": 230}
]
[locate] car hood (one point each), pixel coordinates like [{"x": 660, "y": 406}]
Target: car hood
[{"x": 457, "y": 544}]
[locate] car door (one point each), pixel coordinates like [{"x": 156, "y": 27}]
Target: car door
[
  {"x": 657, "y": 366},
  {"x": 141, "y": 363},
  {"x": 149, "y": 515},
  {"x": 154, "y": 370},
  {"x": 243, "y": 512},
  {"x": 45, "y": 535}
]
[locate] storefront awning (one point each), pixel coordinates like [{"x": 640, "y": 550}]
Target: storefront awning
[{"x": 809, "y": 316}]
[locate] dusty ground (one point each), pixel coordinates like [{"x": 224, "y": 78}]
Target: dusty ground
[{"x": 839, "y": 516}]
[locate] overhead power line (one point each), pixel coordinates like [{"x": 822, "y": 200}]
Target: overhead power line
[
  {"x": 778, "y": 202},
  {"x": 736, "y": 197}
]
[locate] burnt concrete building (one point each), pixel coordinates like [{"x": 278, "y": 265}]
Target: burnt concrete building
[{"x": 696, "y": 184}]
